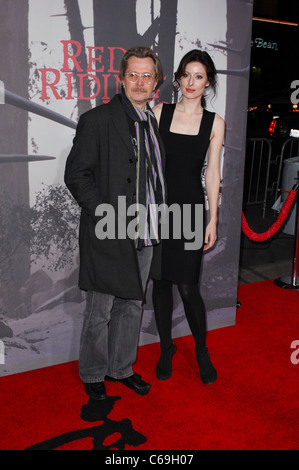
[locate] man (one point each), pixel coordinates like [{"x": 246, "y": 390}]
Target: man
[{"x": 116, "y": 152}]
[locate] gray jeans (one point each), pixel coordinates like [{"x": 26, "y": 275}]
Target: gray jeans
[{"x": 110, "y": 333}]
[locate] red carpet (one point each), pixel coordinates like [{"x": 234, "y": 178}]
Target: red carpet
[{"x": 252, "y": 405}]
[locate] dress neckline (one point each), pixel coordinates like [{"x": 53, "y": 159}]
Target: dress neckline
[{"x": 187, "y": 135}]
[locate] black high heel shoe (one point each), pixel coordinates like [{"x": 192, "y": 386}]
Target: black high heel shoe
[
  {"x": 164, "y": 368},
  {"x": 208, "y": 373}
]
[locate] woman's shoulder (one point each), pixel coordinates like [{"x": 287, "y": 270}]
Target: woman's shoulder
[
  {"x": 157, "y": 110},
  {"x": 219, "y": 121},
  {"x": 217, "y": 116},
  {"x": 158, "y": 106},
  {"x": 218, "y": 128}
]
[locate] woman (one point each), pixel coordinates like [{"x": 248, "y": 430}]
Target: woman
[{"x": 189, "y": 133}]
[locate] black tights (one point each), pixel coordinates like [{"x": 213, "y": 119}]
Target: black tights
[{"x": 194, "y": 310}]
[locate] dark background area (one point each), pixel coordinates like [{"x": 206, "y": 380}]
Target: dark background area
[
  {"x": 272, "y": 70},
  {"x": 274, "y": 61},
  {"x": 281, "y": 10}
]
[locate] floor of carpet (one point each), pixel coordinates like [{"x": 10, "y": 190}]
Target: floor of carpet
[{"x": 252, "y": 405}]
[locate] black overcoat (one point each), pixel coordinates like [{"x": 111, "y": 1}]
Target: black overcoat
[{"x": 100, "y": 167}]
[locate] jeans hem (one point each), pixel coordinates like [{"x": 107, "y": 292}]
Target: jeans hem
[
  {"x": 122, "y": 377},
  {"x": 91, "y": 381}
]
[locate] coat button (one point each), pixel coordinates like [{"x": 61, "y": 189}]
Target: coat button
[
  {"x": 131, "y": 160},
  {"x": 129, "y": 180}
]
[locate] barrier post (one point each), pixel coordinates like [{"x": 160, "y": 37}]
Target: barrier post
[
  {"x": 295, "y": 275},
  {"x": 292, "y": 282}
]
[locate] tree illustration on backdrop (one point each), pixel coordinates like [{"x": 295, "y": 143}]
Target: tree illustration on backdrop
[
  {"x": 14, "y": 178},
  {"x": 110, "y": 30},
  {"x": 24, "y": 235},
  {"x": 48, "y": 231}
]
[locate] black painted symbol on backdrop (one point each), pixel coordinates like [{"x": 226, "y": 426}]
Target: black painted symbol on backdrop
[{"x": 106, "y": 436}]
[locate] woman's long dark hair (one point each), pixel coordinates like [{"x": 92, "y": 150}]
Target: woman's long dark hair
[{"x": 205, "y": 59}]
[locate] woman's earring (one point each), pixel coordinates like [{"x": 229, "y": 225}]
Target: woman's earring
[{"x": 176, "y": 85}]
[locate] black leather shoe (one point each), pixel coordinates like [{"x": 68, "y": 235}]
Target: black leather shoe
[
  {"x": 133, "y": 382},
  {"x": 96, "y": 390}
]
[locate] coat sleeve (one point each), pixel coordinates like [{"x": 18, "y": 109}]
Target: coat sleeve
[{"x": 81, "y": 165}]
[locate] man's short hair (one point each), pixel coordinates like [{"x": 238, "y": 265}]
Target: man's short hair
[{"x": 141, "y": 52}]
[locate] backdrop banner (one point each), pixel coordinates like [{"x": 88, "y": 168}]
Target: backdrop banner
[{"x": 59, "y": 59}]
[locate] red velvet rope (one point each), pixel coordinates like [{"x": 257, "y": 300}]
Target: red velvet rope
[{"x": 260, "y": 237}]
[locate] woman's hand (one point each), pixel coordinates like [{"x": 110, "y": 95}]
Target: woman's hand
[{"x": 210, "y": 235}]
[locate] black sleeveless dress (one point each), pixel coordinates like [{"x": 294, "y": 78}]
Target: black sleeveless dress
[{"x": 185, "y": 156}]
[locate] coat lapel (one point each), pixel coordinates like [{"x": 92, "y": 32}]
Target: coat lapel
[{"x": 121, "y": 125}]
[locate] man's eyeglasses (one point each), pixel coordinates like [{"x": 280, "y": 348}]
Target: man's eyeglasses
[{"x": 147, "y": 78}]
